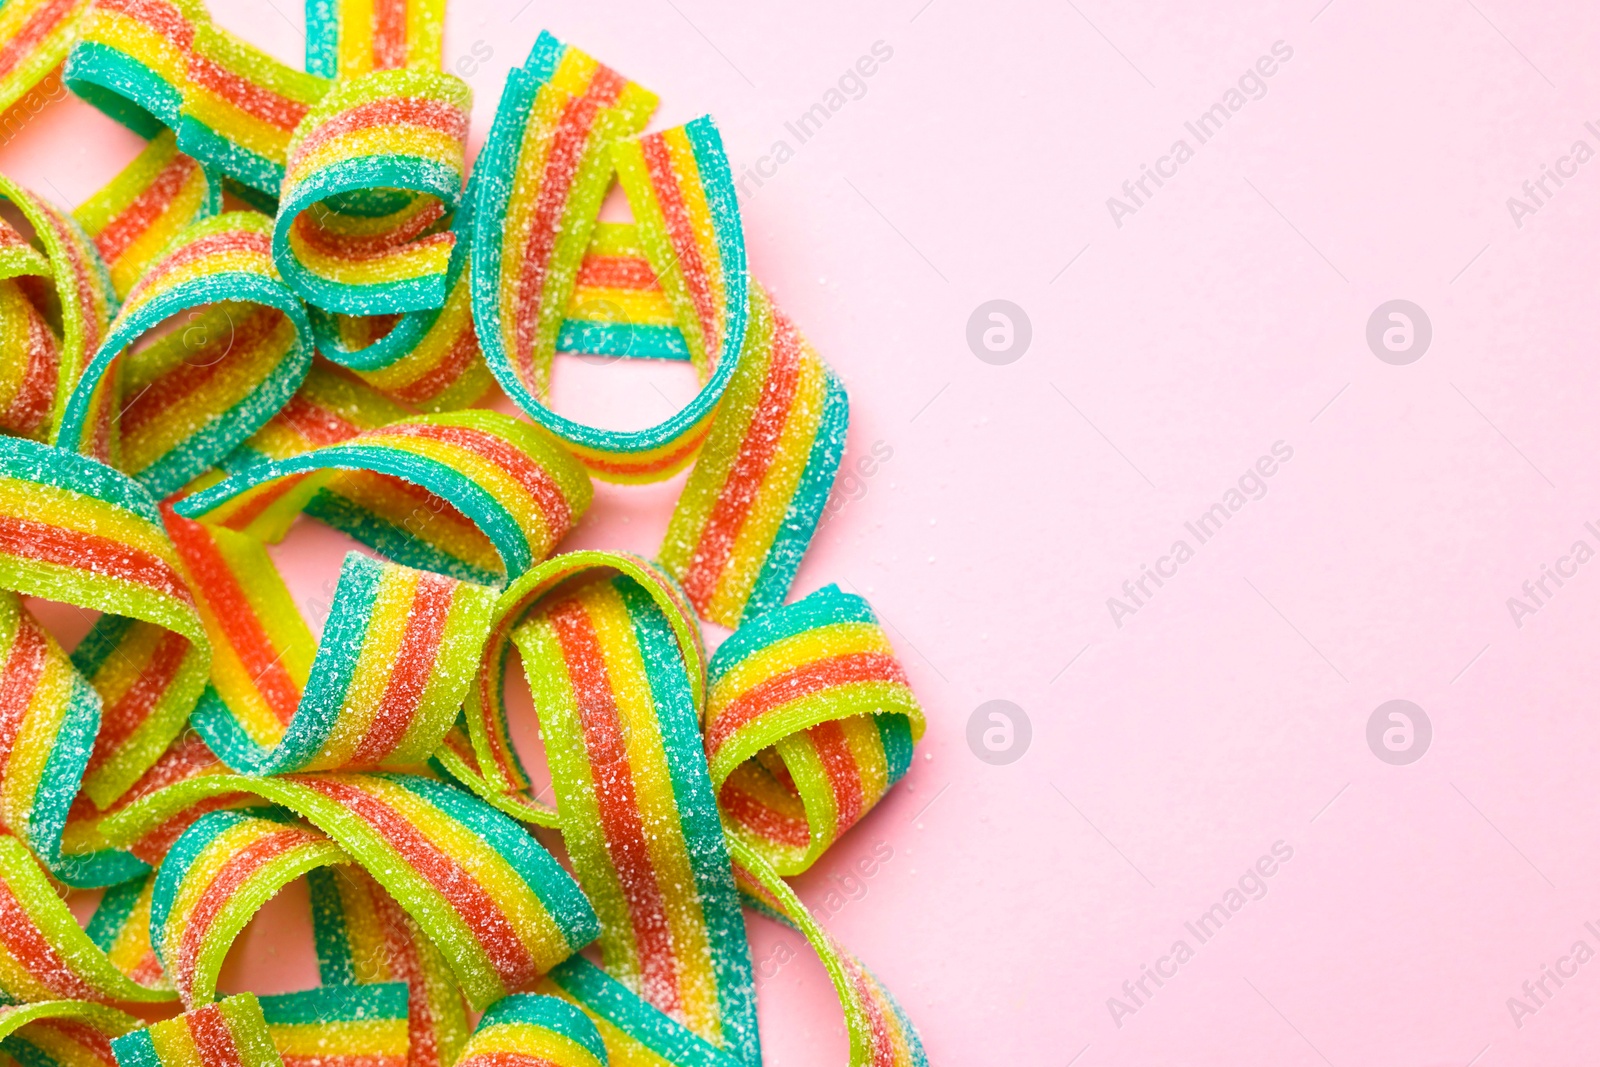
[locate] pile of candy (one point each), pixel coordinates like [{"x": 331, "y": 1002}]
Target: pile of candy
[{"x": 288, "y": 304}]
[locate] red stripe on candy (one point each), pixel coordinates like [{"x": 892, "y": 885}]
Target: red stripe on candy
[
  {"x": 106, "y": 558},
  {"x": 759, "y": 445},
  {"x": 145, "y": 208},
  {"x": 800, "y": 682},
  {"x": 413, "y": 667},
  {"x": 681, "y": 232},
  {"x": 506, "y": 952},
  {"x": 617, "y": 801},
  {"x": 212, "y": 1037}
]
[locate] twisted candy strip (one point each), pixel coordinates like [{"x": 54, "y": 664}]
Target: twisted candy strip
[
  {"x": 197, "y": 392},
  {"x": 518, "y": 487},
  {"x": 76, "y": 531},
  {"x": 810, "y": 721},
  {"x": 532, "y": 237},
  {"x": 539, "y": 182},
  {"x": 347, "y": 236}
]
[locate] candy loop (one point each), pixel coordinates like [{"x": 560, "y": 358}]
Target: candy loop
[
  {"x": 217, "y": 875},
  {"x": 138, "y": 213},
  {"x": 373, "y": 172},
  {"x": 85, "y": 296},
  {"x": 236, "y": 357},
  {"x": 522, "y": 490},
  {"x": 810, "y": 722},
  {"x": 499, "y": 907},
  {"x": 543, "y": 175},
  {"x": 76, "y": 531}
]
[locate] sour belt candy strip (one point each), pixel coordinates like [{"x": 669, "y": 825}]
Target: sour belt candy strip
[
  {"x": 351, "y": 37},
  {"x": 757, "y": 492},
  {"x": 214, "y": 879},
  {"x": 228, "y": 1034},
  {"x": 73, "y": 530},
  {"x": 429, "y": 359},
  {"x": 49, "y": 715},
  {"x": 386, "y": 680},
  {"x": 521, "y": 489},
  {"x": 34, "y": 38},
  {"x": 539, "y": 182},
  {"x": 31, "y": 366},
  {"x": 143, "y": 208},
  {"x": 530, "y": 1030},
  {"x": 681, "y": 192},
  {"x": 810, "y": 720},
  {"x": 44, "y": 954},
  {"x": 638, "y": 814},
  {"x": 62, "y": 1033},
  {"x": 363, "y": 936},
  {"x": 83, "y": 291},
  {"x": 494, "y": 770},
  {"x": 163, "y": 63},
  {"x": 353, "y": 1026},
  {"x": 497, "y": 905},
  {"x": 240, "y": 349},
  {"x": 374, "y": 170},
  {"x": 617, "y": 307}
]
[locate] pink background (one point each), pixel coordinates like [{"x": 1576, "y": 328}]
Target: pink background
[{"x": 1227, "y": 314}]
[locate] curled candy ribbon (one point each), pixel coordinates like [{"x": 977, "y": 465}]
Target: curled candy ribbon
[{"x": 202, "y": 747}]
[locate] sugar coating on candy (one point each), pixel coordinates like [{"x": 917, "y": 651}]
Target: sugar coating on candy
[
  {"x": 231, "y": 345},
  {"x": 751, "y": 505},
  {"x": 807, "y": 720},
  {"x": 231, "y": 1033},
  {"x": 373, "y": 171}
]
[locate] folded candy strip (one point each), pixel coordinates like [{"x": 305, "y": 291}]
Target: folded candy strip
[
  {"x": 81, "y": 289},
  {"x": 373, "y": 172},
  {"x": 236, "y": 347},
  {"x": 29, "y": 377},
  {"x": 76, "y": 531}
]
